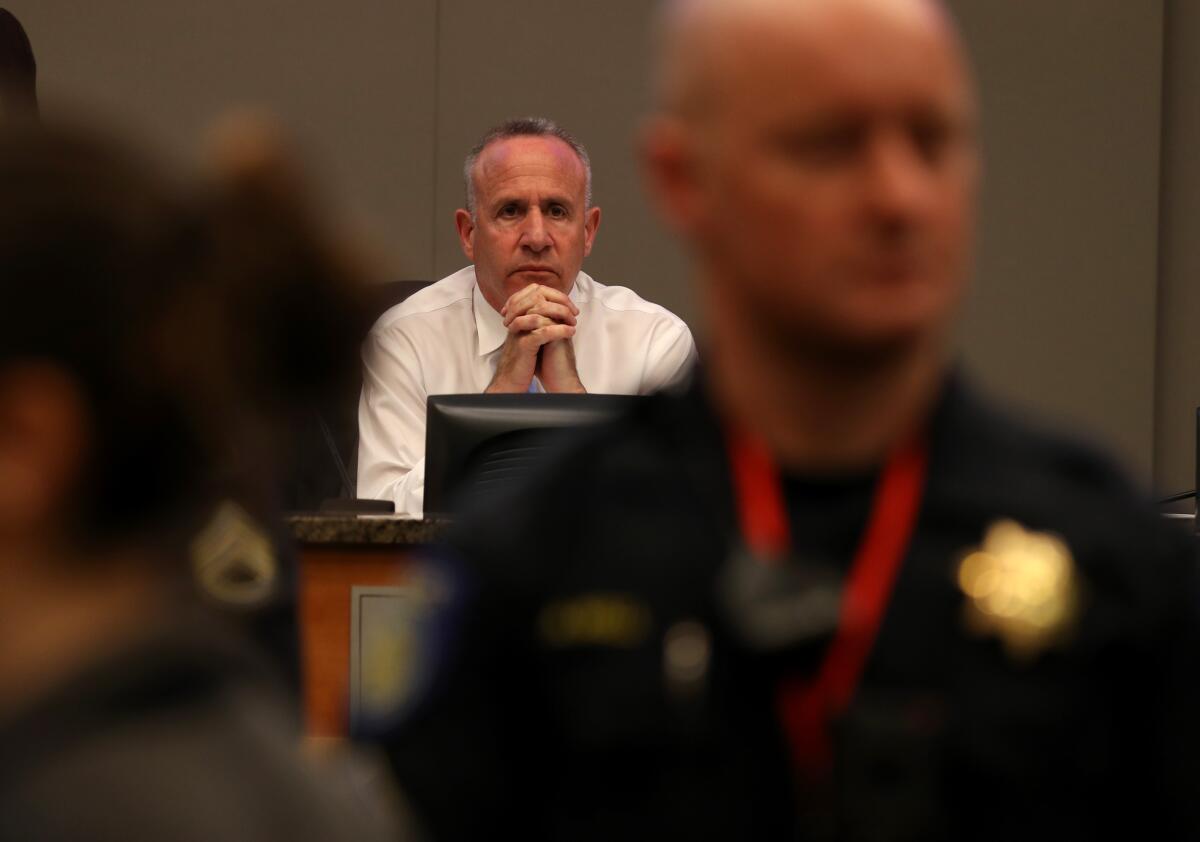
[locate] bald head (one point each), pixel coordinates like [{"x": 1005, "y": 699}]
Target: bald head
[
  {"x": 819, "y": 158},
  {"x": 702, "y": 43}
]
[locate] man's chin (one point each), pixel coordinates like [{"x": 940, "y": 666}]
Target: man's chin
[{"x": 849, "y": 337}]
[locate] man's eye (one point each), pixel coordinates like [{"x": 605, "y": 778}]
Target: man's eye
[
  {"x": 509, "y": 212},
  {"x": 557, "y": 212},
  {"x": 828, "y": 145},
  {"x": 931, "y": 138}
]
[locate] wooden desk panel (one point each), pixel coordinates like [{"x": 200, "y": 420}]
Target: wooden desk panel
[{"x": 327, "y": 573}]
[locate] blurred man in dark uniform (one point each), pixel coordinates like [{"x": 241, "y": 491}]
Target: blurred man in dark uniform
[
  {"x": 126, "y": 379},
  {"x": 831, "y": 593}
]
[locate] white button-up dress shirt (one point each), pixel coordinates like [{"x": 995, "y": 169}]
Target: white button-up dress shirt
[{"x": 446, "y": 339}]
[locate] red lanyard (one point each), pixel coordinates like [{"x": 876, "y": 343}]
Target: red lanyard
[{"x": 806, "y": 705}]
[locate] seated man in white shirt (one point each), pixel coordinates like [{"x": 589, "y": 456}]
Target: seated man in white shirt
[{"x": 522, "y": 318}]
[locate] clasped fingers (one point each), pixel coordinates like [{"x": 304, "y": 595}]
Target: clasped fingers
[
  {"x": 545, "y": 309},
  {"x": 540, "y": 300},
  {"x": 527, "y": 323},
  {"x": 547, "y": 332}
]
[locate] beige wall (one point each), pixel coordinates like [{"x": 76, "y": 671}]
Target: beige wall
[
  {"x": 388, "y": 94},
  {"x": 351, "y": 78},
  {"x": 1178, "y": 384},
  {"x": 1062, "y": 316}
]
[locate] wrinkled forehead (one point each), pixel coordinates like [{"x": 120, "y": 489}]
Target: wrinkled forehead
[
  {"x": 829, "y": 53},
  {"x": 517, "y": 163}
]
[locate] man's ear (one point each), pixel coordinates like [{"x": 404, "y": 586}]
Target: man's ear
[
  {"x": 43, "y": 442},
  {"x": 466, "y": 232},
  {"x": 669, "y": 167},
  {"x": 591, "y": 224}
]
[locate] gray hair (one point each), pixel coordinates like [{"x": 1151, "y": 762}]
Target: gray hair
[{"x": 525, "y": 127}]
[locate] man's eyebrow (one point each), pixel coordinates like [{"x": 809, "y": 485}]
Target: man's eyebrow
[
  {"x": 504, "y": 201},
  {"x": 521, "y": 201}
]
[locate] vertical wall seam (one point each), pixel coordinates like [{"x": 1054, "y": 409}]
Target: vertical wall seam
[
  {"x": 437, "y": 99},
  {"x": 1158, "y": 419}
]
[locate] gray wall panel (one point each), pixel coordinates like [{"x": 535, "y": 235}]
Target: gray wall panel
[
  {"x": 1062, "y": 316},
  {"x": 1179, "y": 292},
  {"x": 352, "y": 79}
]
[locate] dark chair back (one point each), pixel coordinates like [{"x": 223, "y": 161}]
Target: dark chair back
[{"x": 326, "y": 462}]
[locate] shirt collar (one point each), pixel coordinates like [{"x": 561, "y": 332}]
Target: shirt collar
[{"x": 490, "y": 331}]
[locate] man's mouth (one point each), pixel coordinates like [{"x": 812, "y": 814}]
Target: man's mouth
[{"x": 892, "y": 268}]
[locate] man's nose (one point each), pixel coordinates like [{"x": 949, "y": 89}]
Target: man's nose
[
  {"x": 899, "y": 179},
  {"x": 534, "y": 234}
]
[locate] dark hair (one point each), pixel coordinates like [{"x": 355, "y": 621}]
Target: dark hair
[
  {"x": 181, "y": 309},
  {"x": 18, "y": 70},
  {"x": 525, "y": 127}
]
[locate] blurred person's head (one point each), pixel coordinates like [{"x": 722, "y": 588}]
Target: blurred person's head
[
  {"x": 529, "y": 216},
  {"x": 18, "y": 70},
  {"x": 97, "y": 255},
  {"x": 146, "y": 323},
  {"x": 819, "y": 157}
]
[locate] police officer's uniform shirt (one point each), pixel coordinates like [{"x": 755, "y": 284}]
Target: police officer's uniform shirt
[
  {"x": 560, "y": 713},
  {"x": 446, "y": 339}
]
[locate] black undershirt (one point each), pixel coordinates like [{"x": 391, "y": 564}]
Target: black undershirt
[{"x": 827, "y": 516}]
